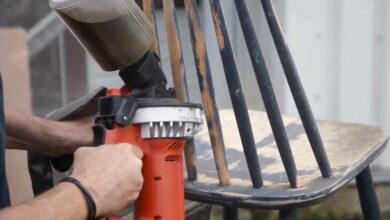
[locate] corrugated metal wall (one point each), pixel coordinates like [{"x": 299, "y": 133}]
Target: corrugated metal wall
[{"x": 341, "y": 48}]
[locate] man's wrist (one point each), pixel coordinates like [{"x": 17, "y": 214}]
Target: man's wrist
[
  {"x": 87, "y": 196},
  {"x": 65, "y": 201},
  {"x": 80, "y": 208},
  {"x": 61, "y": 138},
  {"x": 52, "y": 138},
  {"x": 66, "y": 137}
]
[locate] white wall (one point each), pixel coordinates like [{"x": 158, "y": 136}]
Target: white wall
[{"x": 342, "y": 52}]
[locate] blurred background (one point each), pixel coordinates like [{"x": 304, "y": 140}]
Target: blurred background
[{"x": 341, "y": 48}]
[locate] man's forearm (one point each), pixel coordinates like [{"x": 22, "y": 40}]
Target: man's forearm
[
  {"x": 22, "y": 125},
  {"x": 27, "y": 132},
  {"x": 65, "y": 201}
]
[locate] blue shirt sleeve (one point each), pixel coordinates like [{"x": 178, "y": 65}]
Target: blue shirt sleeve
[{"x": 4, "y": 192}]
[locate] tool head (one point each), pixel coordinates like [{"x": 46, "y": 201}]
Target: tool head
[{"x": 158, "y": 117}]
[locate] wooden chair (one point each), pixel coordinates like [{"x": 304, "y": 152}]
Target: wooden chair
[
  {"x": 298, "y": 167},
  {"x": 253, "y": 159}
]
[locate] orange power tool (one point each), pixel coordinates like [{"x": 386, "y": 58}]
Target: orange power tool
[
  {"x": 151, "y": 118},
  {"x": 158, "y": 130}
]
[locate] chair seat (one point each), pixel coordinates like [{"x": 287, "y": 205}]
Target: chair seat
[{"x": 351, "y": 148}]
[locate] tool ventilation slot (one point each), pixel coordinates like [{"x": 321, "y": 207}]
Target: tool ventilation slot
[
  {"x": 170, "y": 129},
  {"x": 174, "y": 146}
]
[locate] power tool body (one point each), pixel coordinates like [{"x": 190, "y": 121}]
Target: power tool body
[{"x": 159, "y": 124}]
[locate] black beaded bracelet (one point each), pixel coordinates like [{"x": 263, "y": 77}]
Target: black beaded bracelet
[{"x": 88, "y": 197}]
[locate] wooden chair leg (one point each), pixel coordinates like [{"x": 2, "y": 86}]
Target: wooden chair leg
[
  {"x": 368, "y": 199},
  {"x": 288, "y": 214},
  {"x": 230, "y": 213}
]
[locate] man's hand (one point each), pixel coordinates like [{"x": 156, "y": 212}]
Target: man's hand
[
  {"x": 52, "y": 138},
  {"x": 112, "y": 174}
]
